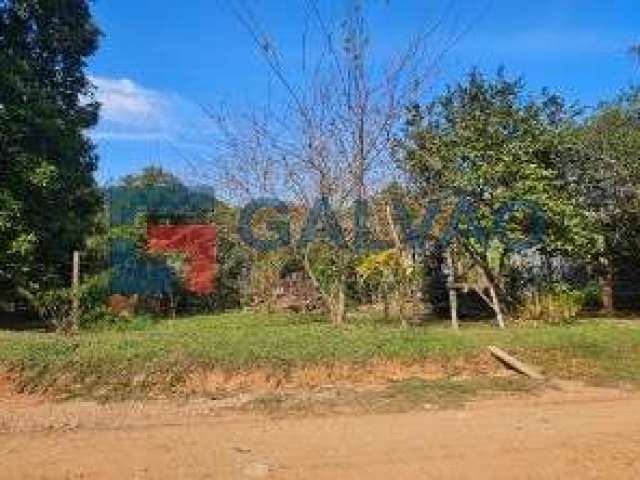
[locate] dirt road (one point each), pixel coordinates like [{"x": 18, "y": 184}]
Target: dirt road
[{"x": 580, "y": 433}]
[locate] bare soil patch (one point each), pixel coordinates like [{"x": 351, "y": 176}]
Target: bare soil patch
[
  {"x": 337, "y": 374},
  {"x": 569, "y": 432}
]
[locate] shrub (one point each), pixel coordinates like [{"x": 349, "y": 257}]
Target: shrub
[
  {"x": 593, "y": 296},
  {"x": 558, "y": 303},
  {"x": 55, "y": 307}
]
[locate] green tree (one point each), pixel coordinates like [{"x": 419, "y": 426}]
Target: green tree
[
  {"x": 151, "y": 176},
  {"x": 485, "y": 143},
  {"x": 48, "y": 196},
  {"x": 610, "y": 180}
]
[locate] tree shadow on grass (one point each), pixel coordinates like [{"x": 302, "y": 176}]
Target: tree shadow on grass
[{"x": 21, "y": 321}]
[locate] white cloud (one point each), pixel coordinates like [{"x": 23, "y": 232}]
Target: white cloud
[
  {"x": 131, "y": 112},
  {"x": 99, "y": 135},
  {"x": 142, "y": 121},
  {"x": 125, "y": 102}
]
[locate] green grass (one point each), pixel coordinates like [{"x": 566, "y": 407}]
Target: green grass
[{"x": 147, "y": 355}]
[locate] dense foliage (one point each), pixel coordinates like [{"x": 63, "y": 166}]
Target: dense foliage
[
  {"x": 484, "y": 149},
  {"x": 500, "y": 165},
  {"x": 48, "y": 196}
]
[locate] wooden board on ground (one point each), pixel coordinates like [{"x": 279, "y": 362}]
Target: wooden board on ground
[{"x": 515, "y": 363}]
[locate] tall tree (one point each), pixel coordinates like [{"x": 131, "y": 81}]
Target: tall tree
[
  {"x": 481, "y": 147},
  {"x": 48, "y": 196},
  {"x": 331, "y": 134},
  {"x": 152, "y": 176},
  {"x": 611, "y": 181}
]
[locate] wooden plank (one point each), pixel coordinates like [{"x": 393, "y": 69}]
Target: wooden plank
[{"x": 515, "y": 363}]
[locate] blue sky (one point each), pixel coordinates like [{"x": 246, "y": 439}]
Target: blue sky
[{"x": 161, "y": 61}]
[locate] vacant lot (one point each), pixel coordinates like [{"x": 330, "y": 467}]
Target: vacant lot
[{"x": 219, "y": 355}]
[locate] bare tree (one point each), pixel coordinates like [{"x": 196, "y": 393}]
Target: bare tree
[{"x": 332, "y": 133}]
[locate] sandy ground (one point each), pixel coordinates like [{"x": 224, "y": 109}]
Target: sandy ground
[{"x": 578, "y": 433}]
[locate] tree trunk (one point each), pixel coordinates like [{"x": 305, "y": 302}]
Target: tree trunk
[
  {"x": 453, "y": 294},
  {"x": 402, "y": 306},
  {"x": 337, "y": 305},
  {"x": 385, "y": 305},
  {"x": 173, "y": 305},
  {"x": 495, "y": 304},
  {"x": 453, "y": 301}
]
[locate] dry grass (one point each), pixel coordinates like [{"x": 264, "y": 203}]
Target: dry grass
[{"x": 210, "y": 381}]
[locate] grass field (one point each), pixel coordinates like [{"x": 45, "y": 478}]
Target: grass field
[{"x": 145, "y": 355}]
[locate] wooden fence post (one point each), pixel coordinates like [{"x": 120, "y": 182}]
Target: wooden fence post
[{"x": 75, "y": 306}]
